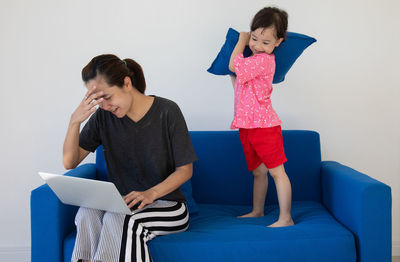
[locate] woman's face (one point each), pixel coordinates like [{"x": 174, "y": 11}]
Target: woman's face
[
  {"x": 117, "y": 100},
  {"x": 263, "y": 40}
]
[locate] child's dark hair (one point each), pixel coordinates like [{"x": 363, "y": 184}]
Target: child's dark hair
[
  {"x": 271, "y": 16},
  {"x": 114, "y": 70}
]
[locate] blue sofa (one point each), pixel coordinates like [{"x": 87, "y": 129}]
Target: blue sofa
[{"x": 340, "y": 214}]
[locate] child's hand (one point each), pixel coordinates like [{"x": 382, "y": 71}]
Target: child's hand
[{"x": 244, "y": 37}]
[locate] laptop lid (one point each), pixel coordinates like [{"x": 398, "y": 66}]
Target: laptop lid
[{"x": 86, "y": 193}]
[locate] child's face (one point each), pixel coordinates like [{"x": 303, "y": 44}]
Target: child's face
[{"x": 263, "y": 40}]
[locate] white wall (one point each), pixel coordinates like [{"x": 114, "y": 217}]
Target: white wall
[{"x": 344, "y": 86}]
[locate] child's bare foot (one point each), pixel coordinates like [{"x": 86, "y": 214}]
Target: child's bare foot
[
  {"x": 283, "y": 223},
  {"x": 253, "y": 214}
]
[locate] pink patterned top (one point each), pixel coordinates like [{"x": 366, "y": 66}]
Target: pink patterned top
[{"x": 253, "y": 88}]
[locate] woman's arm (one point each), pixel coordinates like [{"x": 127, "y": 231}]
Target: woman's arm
[
  {"x": 171, "y": 183},
  {"x": 244, "y": 38},
  {"x": 73, "y": 154}
]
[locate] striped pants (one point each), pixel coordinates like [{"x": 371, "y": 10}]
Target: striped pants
[{"x": 111, "y": 237}]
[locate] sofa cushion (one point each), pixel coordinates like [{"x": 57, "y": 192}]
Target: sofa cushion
[
  {"x": 186, "y": 189},
  {"x": 215, "y": 234}
]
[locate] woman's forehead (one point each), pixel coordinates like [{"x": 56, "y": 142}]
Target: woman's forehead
[{"x": 97, "y": 82}]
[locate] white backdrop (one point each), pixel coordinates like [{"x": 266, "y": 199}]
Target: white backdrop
[{"x": 343, "y": 86}]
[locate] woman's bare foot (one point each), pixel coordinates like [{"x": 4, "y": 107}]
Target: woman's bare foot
[
  {"x": 283, "y": 223},
  {"x": 253, "y": 214}
]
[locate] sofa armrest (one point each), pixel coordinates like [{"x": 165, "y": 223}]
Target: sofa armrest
[
  {"x": 51, "y": 220},
  {"x": 363, "y": 205}
]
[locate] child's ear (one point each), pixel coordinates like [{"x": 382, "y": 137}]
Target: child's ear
[{"x": 280, "y": 40}]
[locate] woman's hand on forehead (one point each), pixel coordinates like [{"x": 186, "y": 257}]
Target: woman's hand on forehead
[
  {"x": 93, "y": 94},
  {"x": 87, "y": 106}
]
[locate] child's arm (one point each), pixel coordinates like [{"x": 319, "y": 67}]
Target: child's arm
[
  {"x": 244, "y": 38},
  {"x": 252, "y": 67}
]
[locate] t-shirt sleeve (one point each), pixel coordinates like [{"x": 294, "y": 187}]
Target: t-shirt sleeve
[
  {"x": 181, "y": 142},
  {"x": 251, "y": 67},
  {"x": 89, "y": 138}
]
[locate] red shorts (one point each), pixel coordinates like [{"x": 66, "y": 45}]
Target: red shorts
[{"x": 263, "y": 145}]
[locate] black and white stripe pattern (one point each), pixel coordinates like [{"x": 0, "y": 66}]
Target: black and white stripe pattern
[
  {"x": 144, "y": 226},
  {"x": 111, "y": 237}
]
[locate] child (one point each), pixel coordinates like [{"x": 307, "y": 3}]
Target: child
[{"x": 259, "y": 126}]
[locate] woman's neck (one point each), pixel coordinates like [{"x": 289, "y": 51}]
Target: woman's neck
[{"x": 141, "y": 104}]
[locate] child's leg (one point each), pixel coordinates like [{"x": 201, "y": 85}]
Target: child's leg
[
  {"x": 260, "y": 188},
  {"x": 284, "y": 191}
]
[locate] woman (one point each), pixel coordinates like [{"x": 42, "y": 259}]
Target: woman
[{"x": 149, "y": 155}]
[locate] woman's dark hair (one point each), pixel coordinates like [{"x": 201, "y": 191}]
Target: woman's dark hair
[
  {"x": 114, "y": 70},
  {"x": 271, "y": 16}
]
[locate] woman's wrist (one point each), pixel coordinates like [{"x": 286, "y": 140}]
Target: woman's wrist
[
  {"x": 155, "y": 195},
  {"x": 74, "y": 122}
]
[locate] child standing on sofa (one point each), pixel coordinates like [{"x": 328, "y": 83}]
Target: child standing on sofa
[{"x": 259, "y": 125}]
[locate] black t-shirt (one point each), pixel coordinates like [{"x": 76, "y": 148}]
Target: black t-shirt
[{"x": 140, "y": 155}]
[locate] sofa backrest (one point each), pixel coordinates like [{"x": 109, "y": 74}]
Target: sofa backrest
[{"x": 220, "y": 176}]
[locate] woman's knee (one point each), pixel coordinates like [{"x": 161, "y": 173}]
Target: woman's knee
[
  {"x": 113, "y": 218},
  {"x": 88, "y": 215}
]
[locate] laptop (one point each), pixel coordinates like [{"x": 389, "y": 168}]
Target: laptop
[{"x": 88, "y": 193}]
